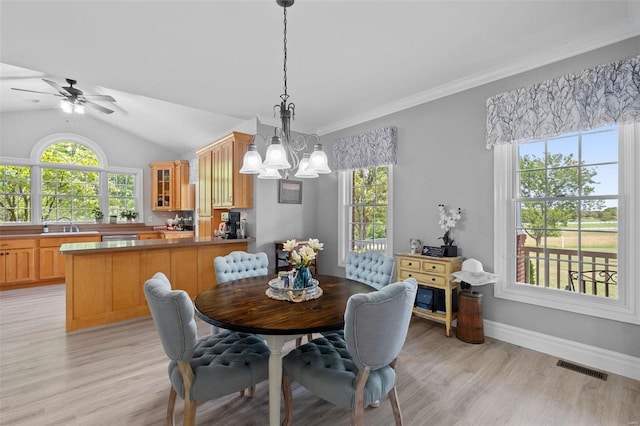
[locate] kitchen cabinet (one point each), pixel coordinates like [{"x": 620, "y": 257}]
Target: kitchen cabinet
[
  {"x": 220, "y": 184},
  {"x": 116, "y": 294},
  {"x": 435, "y": 273},
  {"x": 51, "y": 262},
  {"x": 177, "y": 234},
  {"x": 17, "y": 261},
  {"x": 170, "y": 188}
]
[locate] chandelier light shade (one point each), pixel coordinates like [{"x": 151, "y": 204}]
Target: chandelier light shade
[{"x": 282, "y": 150}]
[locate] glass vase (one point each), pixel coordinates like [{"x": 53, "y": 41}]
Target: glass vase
[{"x": 303, "y": 278}]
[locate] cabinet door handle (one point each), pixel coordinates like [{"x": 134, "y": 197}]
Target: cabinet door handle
[{"x": 433, "y": 279}]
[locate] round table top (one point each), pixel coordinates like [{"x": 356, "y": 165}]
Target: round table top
[{"x": 242, "y": 305}]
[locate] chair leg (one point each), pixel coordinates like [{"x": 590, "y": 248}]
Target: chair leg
[
  {"x": 170, "y": 406},
  {"x": 288, "y": 401},
  {"x": 298, "y": 342},
  {"x": 357, "y": 418},
  {"x": 395, "y": 406},
  {"x": 189, "y": 413},
  {"x": 309, "y": 337}
]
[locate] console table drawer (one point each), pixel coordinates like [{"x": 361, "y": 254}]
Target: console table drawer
[
  {"x": 426, "y": 279},
  {"x": 434, "y": 267}
]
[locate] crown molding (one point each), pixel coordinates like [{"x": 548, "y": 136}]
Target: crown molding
[{"x": 558, "y": 53}]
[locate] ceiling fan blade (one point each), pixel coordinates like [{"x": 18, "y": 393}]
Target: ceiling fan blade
[
  {"x": 55, "y": 85},
  {"x": 104, "y": 98},
  {"x": 99, "y": 107},
  {"x": 35, "y": 91}
]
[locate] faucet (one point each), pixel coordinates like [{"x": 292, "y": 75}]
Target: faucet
[{"x": 72, "y": 227}]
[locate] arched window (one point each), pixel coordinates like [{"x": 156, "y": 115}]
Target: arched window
[
  {"x": 66, "y": 179},
  {"x": 70, "y": 182}
]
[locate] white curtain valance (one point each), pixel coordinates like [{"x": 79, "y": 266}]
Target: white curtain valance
[
  {"x": 601, "y": 96},
  {"x": 371, "y": 149}
]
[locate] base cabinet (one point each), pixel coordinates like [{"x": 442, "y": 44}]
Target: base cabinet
[
  {"x": 116, "y": 293},
  {"x": 51, "y": 262},
  {"x": 435, "y": 273},
  {"x": 17, "y": 261}
]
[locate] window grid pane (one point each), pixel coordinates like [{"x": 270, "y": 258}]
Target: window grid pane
[
  {"x": 122, "y": 192},
  {"x": 369, "y": 196},
  {"x": 15, "y": 194},
  {"x": 567, "y": 221}
]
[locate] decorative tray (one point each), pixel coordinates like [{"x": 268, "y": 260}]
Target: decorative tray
[{"x": 277, "y": 290}]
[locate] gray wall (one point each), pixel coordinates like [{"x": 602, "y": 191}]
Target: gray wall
[
  {"x": 442, "y": 159},
  {"x": 20, "y": 131},
  {"x": 275, "y": 221}
]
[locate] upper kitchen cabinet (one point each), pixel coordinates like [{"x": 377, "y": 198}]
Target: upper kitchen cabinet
[
  {"x": 170, "y": 188},
  {"x": 221, "y": 186}
]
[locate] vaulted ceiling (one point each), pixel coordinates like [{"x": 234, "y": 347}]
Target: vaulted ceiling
[{"x": 185, "y": 72}]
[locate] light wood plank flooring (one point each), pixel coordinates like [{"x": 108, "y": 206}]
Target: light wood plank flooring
[{"x": 116, "y": 375}]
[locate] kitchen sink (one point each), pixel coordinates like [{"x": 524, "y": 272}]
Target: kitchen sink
[{"x": 70, "y": 234}]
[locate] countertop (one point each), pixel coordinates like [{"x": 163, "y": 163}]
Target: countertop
[{"x": 78, "y": 248}]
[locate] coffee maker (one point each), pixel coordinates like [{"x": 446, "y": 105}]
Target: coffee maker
[{"x": 233, "y": 225}]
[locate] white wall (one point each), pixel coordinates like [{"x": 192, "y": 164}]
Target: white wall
[
  {"x": 20, "y": 131},
  {"x": 442, "y": 159}
]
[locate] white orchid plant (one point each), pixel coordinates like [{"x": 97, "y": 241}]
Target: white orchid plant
[
  {"x": 302, "y": 255},
  {"x": 448, "y": 220}
]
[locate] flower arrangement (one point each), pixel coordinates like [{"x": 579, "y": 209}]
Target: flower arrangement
[
  {"x": 448, "y": 219},
  {"x": 301, "y": 256}
]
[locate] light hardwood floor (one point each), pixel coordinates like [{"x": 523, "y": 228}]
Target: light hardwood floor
[{"x": 116, "y": 375}]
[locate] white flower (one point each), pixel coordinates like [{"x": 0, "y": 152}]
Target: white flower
[
  {"x": 448, "y": 219},
  {"x": 315, "y": 244},
  {"x": 303, "y": 256},
  {"x": 289, "y": 245}
]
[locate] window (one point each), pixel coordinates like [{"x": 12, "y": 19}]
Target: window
[
  {"x": 15, "y": 195},
  {"x": 122, "y": 192},
  {"x": 72, "y": 180},
  {"x": 366, "y": 211},
  {"x": 564, "y": 222}
]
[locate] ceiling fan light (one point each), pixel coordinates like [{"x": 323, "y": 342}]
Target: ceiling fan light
[
  {"x": 252, "y": 161},
  {"x": 276, "y": 156},
  {"x": 79, "y": 108},
  {"x": 303, "y": 168},
  {"x": 267, "y": 173},
  {"x": 66, "y": 106},
  {"x": 318, "y": 161}
]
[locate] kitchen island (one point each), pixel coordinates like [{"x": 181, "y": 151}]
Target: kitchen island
[{"x": 104, "y": 279}]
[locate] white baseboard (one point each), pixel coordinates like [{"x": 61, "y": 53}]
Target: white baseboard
[{"x": 590, "y": 356}]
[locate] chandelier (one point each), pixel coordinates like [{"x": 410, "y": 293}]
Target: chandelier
[{"x": 283, "y": 151}]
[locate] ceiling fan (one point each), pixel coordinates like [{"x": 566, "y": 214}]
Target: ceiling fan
[{"x": 73, "y": 97}]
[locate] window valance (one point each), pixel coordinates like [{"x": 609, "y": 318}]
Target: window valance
[
  {"x": 604, "y": 95},
  {"x": 371, "y": 149}
]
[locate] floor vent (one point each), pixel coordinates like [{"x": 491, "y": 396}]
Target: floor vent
[{"x": 584, "y": 370}]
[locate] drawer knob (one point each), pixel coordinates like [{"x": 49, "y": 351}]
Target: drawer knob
[
  {"x": 433, "y": 279},
  {"x": 410, "y": 263},
  {"x": 433, "y": 267},
  {"x": 410, "y": 275}
]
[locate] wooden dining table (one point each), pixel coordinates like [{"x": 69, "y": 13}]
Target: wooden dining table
[{"x": 242, "y": 305}]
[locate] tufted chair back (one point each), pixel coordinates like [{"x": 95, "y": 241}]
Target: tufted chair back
[
  {"x": 205, "y": 369},
  {"x": 371, "y": 267},
  {"x": 239, "y": 264}
]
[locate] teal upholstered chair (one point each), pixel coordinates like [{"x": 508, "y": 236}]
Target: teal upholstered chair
[
  {"x": 201, "y": 370},
  {"x": 239, "y": 264},
  {"x": 356, "y": 369},
  {"x": 371, "y": 267}
]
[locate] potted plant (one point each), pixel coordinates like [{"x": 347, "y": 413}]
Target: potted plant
[
  {"x": 97, "y": 214},
  {"x": 130, "y": 215}
]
